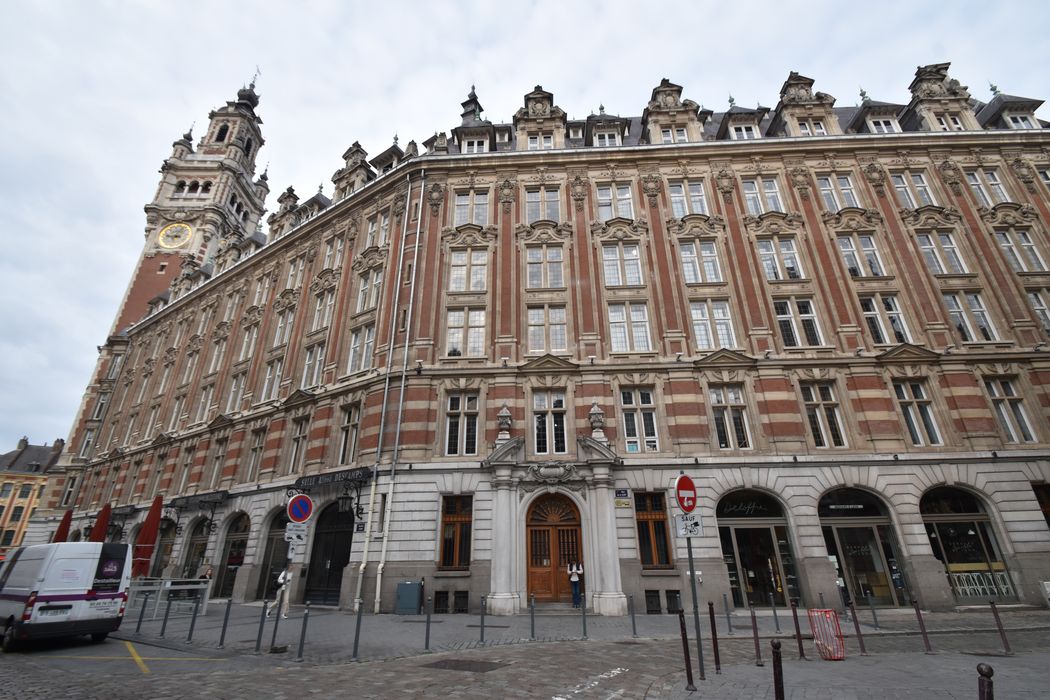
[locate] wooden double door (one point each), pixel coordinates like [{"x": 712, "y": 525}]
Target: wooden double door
[{"x": 552, "y": 535}]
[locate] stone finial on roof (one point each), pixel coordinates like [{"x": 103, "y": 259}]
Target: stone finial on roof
[
  {"x": 864, "y": 95},
  {"x": 732, "y": 102},
  {"x": 994, "y": 89}
]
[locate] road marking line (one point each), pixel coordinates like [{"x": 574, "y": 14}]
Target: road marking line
[
  {"x": 124, "y": 658},
  {"x": 138, "y": 659}
]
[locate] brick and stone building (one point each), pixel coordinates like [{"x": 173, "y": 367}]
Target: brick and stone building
[
  {"x": 493, "y": 353},
  {"x": 23, "y": 478}
]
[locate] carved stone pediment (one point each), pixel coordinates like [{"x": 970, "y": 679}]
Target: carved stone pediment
[
  {"x": 510, "y": 452},
  {"x": 326, "y": 279},
  {"x": 725, "y": 359},
  {"x": 773, "y": 222},
  {"x": 468, "y": 235},
  {"x": 194, "y": 344},
  {"x": 696, "y": 225},
  {"x": 551, "y": 475},
  {"x": 162, "y": 439},
  {"x": 930, "y": 215},
  {"x": 222, "y": 330},
  {"x": 170, "y": 355},
  {"x": 543, "y": 231},
  {"x": 595, "y": 451},
  {"x": 852, "y": 219},
  {"x": 619, "y": 228},
  {"x": 299, "y": 396},
  {"x": 370, "y": 258},
  {"x": 252, "y": 315},
  {"x": 548, "y": 363},
  {"x": 1009, "y": 214},
  {"x": 286, "y": 299},
  {"x": 220, "y": 421},
  {"x": 906, "y": 353}
]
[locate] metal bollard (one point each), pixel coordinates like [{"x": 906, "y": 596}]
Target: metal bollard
[
  {"x": 823, "y": 606},
  {"x": 798, "y": 631},
  {"x": 773, "y": 604},
  {"x": 778, "y": 671},
  {"x": 302, "y": 635},
  {"x": 729, "y": 620},
  {"x": 714, "y": 636},
  {"x": 922, "y": 627},
  {"x": 226, "y": 621},
  {"x": 193, "y": 620},
  {"x": 999, "y": 626},
  {"x": 430, "y": 607},
  {"x": 874, "y": 617},
  {"x": 262, "y": 624},
  {"x": 856, "y": 627},
  {"x": 685, "y": 652},
  {"x": 532, "y": 617},
  {"x": 583, "y": 613},
  {"x": 142, "y": 611},
  {"x": 167, "y": 611},
  {"x": 482, "y": 619},
  {"x": 630, "y": 607},
  {"x": 357, "y": 627},
  {"x": 985, "y": 688},
  {"x": 754, "y": 630},
  {"x": 276, "y": 623}
]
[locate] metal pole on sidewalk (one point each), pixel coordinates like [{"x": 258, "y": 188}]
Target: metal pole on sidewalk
[
  {"x": 302, "y": 635},
  {"x": 874, "y": 617},
  {"x": 532, "y": 617},
  {"x": 277, "y": 622},
  {"x": 798, "y": 631},
  {"x": 167, "y": 611},
  {"x": 357, "y": 627},
  {"x": 985, "y": 688},
  {"x": 778, "y": 671},
  {"x": 426, "y": 641},
  {"x": 696, "y": 608},
  {"x": 999, "y": 626},
  {"x": 714, "y": 636},
  {"x": 482, "y": 619},
  {"x": 822, "y": 604},
  {"x": 583, "y": 613},
  {"x": 226, "y": 621},
  {"x": 754, "y": 631},
  {"x": 685, "y": 653},
  {"x": 262, "y": 624},
  {"x": 193, "y": 620},
  {"x": 729, "y": 620},
  {"x": 856, "y": 627},
  {"x": 142, "y": 611},
  {"x": 634, "y": 624},
  {"x": 922, "y": 627},
  {"x": 773, "y": 604}
]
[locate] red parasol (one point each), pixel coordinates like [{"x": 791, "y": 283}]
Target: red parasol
[
  {"x": 62, "y": 533},
  {"x": 101, "y": 526},
  {"x": 146, "y": 540}
]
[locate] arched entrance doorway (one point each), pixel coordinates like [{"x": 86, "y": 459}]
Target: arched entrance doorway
[
  {"x": 274, "y": 558},
  {"x": 165, "y": 544},
  {"x": 232, "y": 556},
  {"x": 330, "y": 555},
  {"x": 195, "y": 549},
  {"x": 756, "y": 549},
  {"x": 860, "y": 540},
  {"x": 961, "y": 536},
  {"x": 552, "y": 534}
]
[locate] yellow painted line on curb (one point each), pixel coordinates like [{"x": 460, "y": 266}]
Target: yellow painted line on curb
[
  {"x": 124, "y": 658},
  {"x": 138, "y": 659}
]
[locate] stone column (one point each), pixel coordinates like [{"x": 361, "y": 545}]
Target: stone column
[
  {"x": 503, "y": 599},
  {"x": 607, "y": 596}
]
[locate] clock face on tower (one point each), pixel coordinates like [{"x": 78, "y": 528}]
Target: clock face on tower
[{"x": 174, "y": 235}]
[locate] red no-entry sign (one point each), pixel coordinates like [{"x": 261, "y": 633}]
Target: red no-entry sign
[
  {"x": 685, "y": 492},
  {"x": 300, "y": 508}
]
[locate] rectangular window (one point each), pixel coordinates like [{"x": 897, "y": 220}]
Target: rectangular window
[
  {"x": 1009, "y": 409},
  {"x": 251, "y": 337},
  {"x": 1038, "y": 299},
  {"x": 468, "y": 270},
  {"x": 885, "y": 319},
  {"x": 283, "y": 331},
  {"x": 295, "y": 272},
  {"x": 541, "y": 204},
  {"x": 456, "y": 518},
  {"x": 837, "y": 192},
  {"x": 545, "y": 267},
  {"x": 255, "y": 455},
  {"x": 1020, "y": 121},
  {"x": 639, "y": 420},
  {"x": 915, "y": 406},
  {"x": 176, "y": 413},
  {"x": 986, "y": 187},
  {"x": 333, "y": 252},
  {"x": 68, "y": 493},
  {"x": 743, "y": 132},
  {"x": 687, "y": 198},
  {"x": 1020, "y": 251},
  {"x": 676, "y": 135},
  {"x": 233, "y": 403},
  {"x": 912, "y": 190},
  {"x": 297, "y": 454},
  {"x": 218, "y": 354},
  {"x": 541, "y": 142},
  {"x": 461, "y": 424},
  {"x": 261, "y": 285},
  {"x": 629, "y": 327},
  {"x": 466, "y": 333},
  {"x": 615, "y": 200},
  {"x": 793, "y": 314},
  {"x": 114, "y": 366},
  {"x": 151, "y": 422},
  {"x": 883, "y": 126},
  {"x": 730, "y": 416},
  {"x": 761, "y": 195},
  {"x": 548, "y": 412},
  {"x": 313, "y": 366},
  {"x": 940, "y": 253},
  {"x": 16, "y": 514},
  {"x": 100, "y": 406},
  {"x": 362, "y": 341},
  {"x": 700, "y": 262},
  {"x": 860, "y": 255},
  {"x": 204, "y": 405},
  {"x": 272, "y": 382},
  {"x": 475, "y": 146},
  {"x": 650, "y": 513},
  {"x": 966, "y": 311},
  {"x": 25, "y": 490},
  {"x": 165, "y": 377},
  {"x": 712, "y": 325},
  {"x": 822, "y": 414},
  {"x": 622, "y": 264},
  {"x": 547, "y": 329},
  {"x": 812, "y": 127},
  {"x": 605, "y": 139},
  {"x": 348, "y": 428},
  {"x": 86, "y": 444},
  {"x": 1044, "y": 175},
  {"x": 949, "y": 122},
  {"x": 779, "y": 258},
  {"x": 472, "y": 208},
  {"x": 218, "y": 461},
  {"x": 324, "y": 307}
]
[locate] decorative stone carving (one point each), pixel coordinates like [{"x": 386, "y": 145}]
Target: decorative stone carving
[
  {"x": 435, "y": 196},
  {"x": 696, "y": 225},
  {"x": 469, "y": 235},
  {"x": 222, "y": 330},
  {"x": 1009, "y": 214},
  {"x": 852, "y": 219},
  {"x": 286, "y": 299},
  {"x": 725, "y": 180},
  {"x": 951, "y": 175},
  {"x": 930, "y": 216},
  {"x": 578, "y": 187},
  {"x": 399, "y": 204},
  {"x": 194, "y": 343},
  {"x": 800, "y": 181},
  {"x": 252, "y": 315},
  {"x": 652, "y": 185},
  {"x": 876, "y": 176},
  {"x": 551, "y": 474},
  {"x": 508, "y": 193},
  {"x": 326, "y": 279},
  {"x": 596, "y": 416},
  {"x": 619, "y": 229},
  {"x": 503, "y": 418},
  {"x": 1024, "y": 173},
  {"x": 773, "y": 222},
  {"x": 543, "y": 232}
]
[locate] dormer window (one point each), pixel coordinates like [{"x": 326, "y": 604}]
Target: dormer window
[
  {"x": 503, "y": 136},
  {"x": 538, "y": 142},
  {"x": 475, "y": 146},
  {"x": 606, "y": 138},
  {"x": 1020, "y": 121},
  {"x": 576, "y": 133},
  {"x": 677, "y": 135},
  {"x": 949, "y": 122},
  {"x": 814, "y": 127},
  {"x": 884, "y": 126},
  {"x": 744, "y": 132}
]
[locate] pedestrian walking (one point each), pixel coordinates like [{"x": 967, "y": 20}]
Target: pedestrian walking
[
  {"x": 575, "y": 572},
  {"x": 284, "y": 582}
]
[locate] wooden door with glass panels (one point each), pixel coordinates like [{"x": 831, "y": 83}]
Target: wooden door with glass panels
[{"x": 552, "y": 537}]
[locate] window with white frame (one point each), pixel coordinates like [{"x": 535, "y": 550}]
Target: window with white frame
[
  {"x": 549, "y": 429},
  {"x": 1044, "y": 175},
  {"x": 629, "y": 327},
  {"x": 237, "y": 383},
  {"x": 540, "y": 142},
  {"x": 362, "y": 341},
  {"x": 71, "y": 488},
  {"x": 313, "y": 366},
  {"x": 468, "y": 270},
  {"x": 461, "y": 424},
  {"x": 176, "y": 412},
  {"x": 606, "y": 138},
  {"x": 812, "y": 127},
  {"x": 272, "y": 381},
  {"x": 1020, "y": 121},
  {"x": 884, "y": 126},
  {"x": 730, "y": 416},
  {"x": 639, "y": 420},
  {"x": 544, "y": 265},
  {"x": 687, "y": 198},
  {"x": 203, "y": 321},
  {"x": 333, "y": 252},
  {"x": 861, "y": 255},
  {"x": 165, "y": 377},
  {"x": 743, "y": 132},
  {"x": 100, "y": 405},
  {"x": 204, "y": 405},
  {"x": 151, "y": 422},
  {"x": 369, "y": 284},
  {"x": 1040, "y": 301},
  {"x": 1020, "y": 250},
  {"x": 837, "y": 192},
  {"x": 262, "y": 285},
  {"x": 296, "y": 269},
  {"x": 283, "y": 329},
  {"x": 218, "y": 354},
  {"x": 947, "y": 121},
  {"x": 779, "y": 258},
  {"x": 547, "y": 330},
  {"x": 218, "y": 460},
  {"x": 912, "y": 190},
  {"x": 472, "y": 208},
  {"x": 761, "y": 195},
  {"x": 130, "y": 429},
  {"x": 986, "y": 187},
  {"x": 297, "y": 454},
  {"x": 348, "y": 430},
  {"x": 615, "y": 200},
  {"x": 251, "y": 337},
  {"x": 885, "y": 319},
  {"x": 115, "y": 362},
  {"x": 674, "y": 135},
  {"x": 622, "y": 264},
  {"x": 87, "y": 443},
  {"x": 466, "y": 332},
  {"x": 700, "y": 262},
  {"x": 255, "y": 454},
  {"x": 969, "y": 316},
  {"x": 712, "y": 324},
  {"x": 476, "y": 146},
  {"x": 941, "y": 253},
  {"x": 324, "y": 307},
  {"x": 541, "y": 203},
  {"x": 914, "y": 402},
  {"x": 822, "y": 414},
  {"x": 1009, "y": 409},
  {"x": 794, "y": 315}
]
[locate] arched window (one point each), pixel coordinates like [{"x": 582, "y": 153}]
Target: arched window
[
  {"x": 180, "y": 187},
  {"x": 223, "y": 131},
  {"x": 206, "y": 188},
  {"x": 248, "y": 148},
  {"x": 194, "y": 187}
]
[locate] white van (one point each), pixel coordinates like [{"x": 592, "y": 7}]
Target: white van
[{"x": 63, "y": 589}]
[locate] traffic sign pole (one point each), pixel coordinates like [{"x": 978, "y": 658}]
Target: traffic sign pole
[{"x": 696, "y": 609}]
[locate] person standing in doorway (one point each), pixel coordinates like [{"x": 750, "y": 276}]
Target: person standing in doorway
[
  {"x": 284, "y": 582},
  {"x": 575, "y": 572}
]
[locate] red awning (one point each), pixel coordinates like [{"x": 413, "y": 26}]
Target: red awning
[
  {"x": 101, "y": 526},
  {"x": 62, "y": 533},
  {"x": 146, "y": 540}
]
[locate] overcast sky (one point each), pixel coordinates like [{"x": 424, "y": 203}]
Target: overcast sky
[{"x": 92, "y": 94}]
